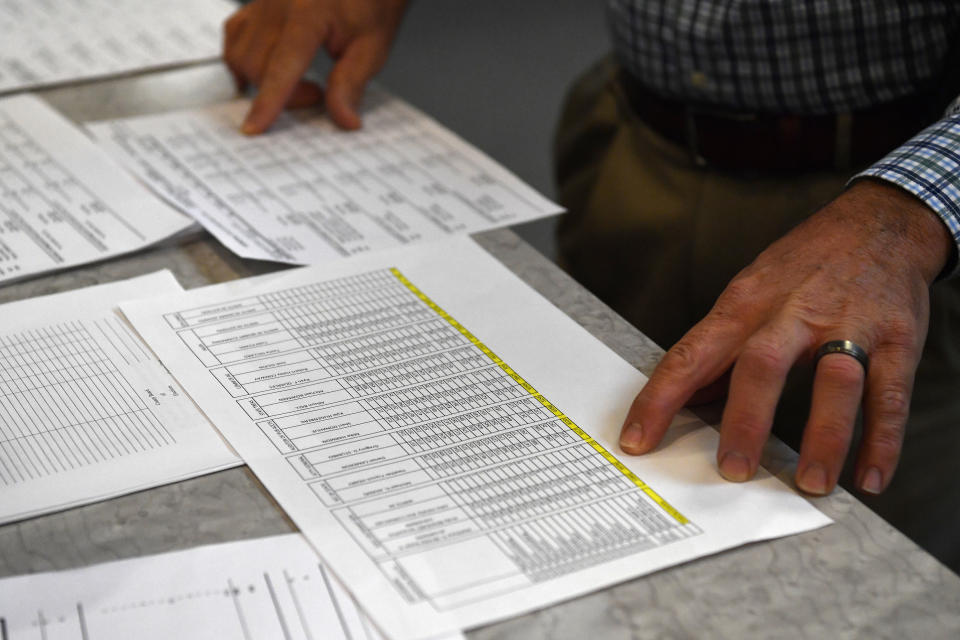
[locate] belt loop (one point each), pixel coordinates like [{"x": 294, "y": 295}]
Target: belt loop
[
  {"x": 842, "y": 141},
  {"x": 693, "y": 142}
]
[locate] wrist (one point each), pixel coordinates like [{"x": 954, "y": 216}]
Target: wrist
[{"x": 906, "y": 223}]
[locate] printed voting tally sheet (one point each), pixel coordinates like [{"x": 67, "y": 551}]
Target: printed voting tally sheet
[
  {"x": 86, "y": 411},
  {"x": 447, "y": 439},
  {"x": 63, "y": 201},
  {"x": 56, "y": 41},
  {"x": 267, "y": 588},
  {"x": 308, "y": 192}
]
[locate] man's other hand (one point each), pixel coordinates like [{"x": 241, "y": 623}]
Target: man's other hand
[
  {"x": 859, "y": 269},
  {"x": 271, "y": 43}
]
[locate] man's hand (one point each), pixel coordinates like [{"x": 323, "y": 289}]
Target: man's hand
[
  {"x": 858, "y": 270},
  {"x": 270, "y": 44}
]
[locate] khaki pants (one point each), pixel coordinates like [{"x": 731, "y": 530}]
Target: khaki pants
[{"x": 658, "y": 237}]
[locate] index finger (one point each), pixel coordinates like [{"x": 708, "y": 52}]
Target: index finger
[
  {"x": 704, "y": 354},
  {"x": 295, "y": 49}
]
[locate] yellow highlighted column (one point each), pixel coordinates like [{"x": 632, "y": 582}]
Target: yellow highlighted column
[{"x": 666, "y": 506}]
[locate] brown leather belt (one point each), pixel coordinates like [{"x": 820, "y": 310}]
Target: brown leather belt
[{"x": 772, "y": 142}]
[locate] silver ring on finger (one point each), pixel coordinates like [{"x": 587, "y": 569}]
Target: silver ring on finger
[{"x": 846, "y": 347}]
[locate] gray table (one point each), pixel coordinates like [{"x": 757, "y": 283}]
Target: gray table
[{"x": 857, "y": 578}]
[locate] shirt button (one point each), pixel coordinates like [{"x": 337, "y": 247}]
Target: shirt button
[{"x": 698, "y": 79}]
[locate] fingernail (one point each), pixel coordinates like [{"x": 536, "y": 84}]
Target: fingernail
[
  {"x": 248, "y": 128},
  {"x": 735, "y": 467},
  {"x": 813, "y": 479},
  {"x": 632, "y": 437},
  {"x": 872, "y": 481}
]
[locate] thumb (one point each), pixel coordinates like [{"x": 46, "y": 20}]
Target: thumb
[{"x": 361, "y": 60}]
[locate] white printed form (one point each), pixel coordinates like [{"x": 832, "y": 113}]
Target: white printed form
[
  {"x": 263, "y": 589},
  {"x": 55, "y": 41},
  {"x": 86, "y": 411},
  {"x": 446, "y": 438},
  {"x": 63, "y": 201},
  {"x": 308, "y": 192}
]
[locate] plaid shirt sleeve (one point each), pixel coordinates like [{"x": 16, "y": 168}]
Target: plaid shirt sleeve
[{"x": 928, "y": 166}]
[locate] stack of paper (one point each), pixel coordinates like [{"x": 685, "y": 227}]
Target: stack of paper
[{"x": 444, "y": 437}]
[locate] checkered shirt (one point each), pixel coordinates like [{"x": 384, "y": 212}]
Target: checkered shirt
[{"x": 805, "y": 57}]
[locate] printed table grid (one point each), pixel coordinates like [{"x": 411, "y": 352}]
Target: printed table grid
[
  {"x": 64, "y": 404},
  {"x": 420, "y": 401},
  {"x": 403, "y": 407},
  {"x": 40, "y": 181},
  {"x": 300, "y": 434},
  {"x": 390, "y": 401},
  {"x": 496, "y": 448},
  {"x": 196, "y": 317},
  {"x": 351, "y": 355},
  {"x": 67, "y": 43},
  {"x": 441, "y": 399},
  {"x": 387, "y": 347},
  {"x": 544, "y": 540},
  {"x": 444, "y": 460},
  {"x": 469, "y": 426},
  {"x": 57, "y": 342},
  {"x": 310, "y": 194},
  {"x": 314, "y": 324}
]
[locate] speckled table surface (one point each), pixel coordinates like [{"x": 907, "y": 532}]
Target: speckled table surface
[{"x": 856, "y": 578}]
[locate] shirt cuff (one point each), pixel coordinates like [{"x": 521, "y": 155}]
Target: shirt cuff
[{"x": 928, "y": 166}]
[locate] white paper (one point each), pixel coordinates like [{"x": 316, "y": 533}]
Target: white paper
[
  {"x": 64, "y": 201},
  {"x": 55, "y": 41},
  {"x": 442, "y": 488},
  {"x": 307, "y": 192},
  {"x": 86, "y": 411},
  {"x": 265, "y": 588}
]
